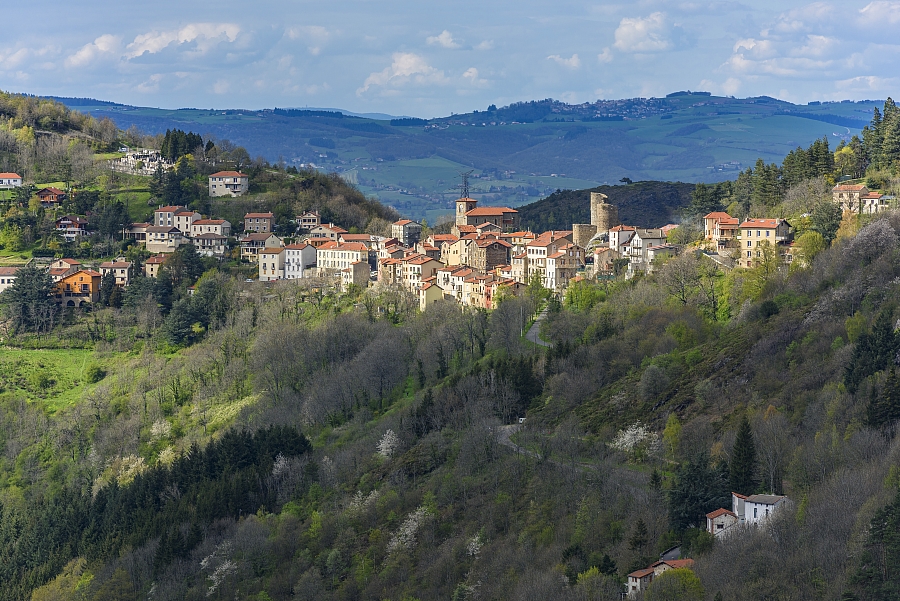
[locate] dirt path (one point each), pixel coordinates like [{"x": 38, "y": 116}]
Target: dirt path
[{"x": 533, "y": 334}]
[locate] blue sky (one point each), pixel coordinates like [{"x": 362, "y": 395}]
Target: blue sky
[{"x": 430, "y": 59}]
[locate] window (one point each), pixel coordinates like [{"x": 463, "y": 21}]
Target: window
[
  {"x": 767, "y": 233},
  {"x": 749, "y": 243},
  {"x": 754, "y": 513}
]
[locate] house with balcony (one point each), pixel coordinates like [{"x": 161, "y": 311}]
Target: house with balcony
[
  {"x": 220, "y": 227},
  {"x": 251, "y": 244},
  {"x": 120, "y": 269},
  {"x": 72, "y": 227},
  {"x": 78, "y": 288},
  {"x": 271, "y": 264},
  {"x": 308, "y": 220},
  {"x": 228, "y": 183},
  {"x": 211, "y": 245},
  {"x": 51, "y": 197},
  {"x": 163, "y": 239},
  {"x": 299, "y": 258}
]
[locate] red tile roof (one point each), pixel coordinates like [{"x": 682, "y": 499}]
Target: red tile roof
[
  {"x": 848, "y": 187},
  {"x": 717, "y": 215},
  {"x": 10, "y": 176},
  {"x": 641, "y": 573},
  {"x": 168, "y": 209},
  {"x": 259, "y": 216},
  {"x": 763, "y": 224},
  {"x": 229, "y": 174},
  {"x": 488, "y": 211},
  {"x": 714, "y": 514},
  {"x": 675, "y": 563}
]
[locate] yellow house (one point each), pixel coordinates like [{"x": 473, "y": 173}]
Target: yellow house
[
  {"x": 756, "y": 232},
  {"x": 429, "y": 294},
  {"x": 78, "y": 288}
]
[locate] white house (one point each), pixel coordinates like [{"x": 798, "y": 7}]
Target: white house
[
  {"x": 10, "y": 180},
  {"x": 271, "y": 264},
  {"x": 228, "y": 183},
  {"x": 222, "y": 227},
  {"x": 756, "y": 509},
  {"x": 297, "y": 259},
  {"x": 7, "y": 277}
]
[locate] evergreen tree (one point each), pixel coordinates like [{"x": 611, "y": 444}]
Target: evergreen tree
[
  {"x": 107, "y": 285},
  {"x": 638, "y": 539},
  {"x": 873, "y": 352},
  {"x": 29, "y": 302},
  {"x": 742, "y": 471},
  {"x": 698, "y": 489},
  {"x": 826, "y": 219},
  {"x": 884, "y": 407}
]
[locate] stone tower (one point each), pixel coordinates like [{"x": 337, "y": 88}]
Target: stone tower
[
  {"x": 463, "y": 206},
  {"x": 603, "y": 214},
  {"x": 582, "y": 233}
]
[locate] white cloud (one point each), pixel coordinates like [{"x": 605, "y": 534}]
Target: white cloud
[
  {"x": 221, "y": 86},
  {"x": 816, "y": 46},
  {"x": 104, "y": 45},
  {"x": 204, "y": 35},
  {"x": 485, "y": 45},
  {"x": 472, "y": 75},
  {"x": 755, "y": 48},
  {"x": 405, "y": 68},
  {"x": 315, "y": 35},
  {"x": 605, "y": 56},
  {"x": 868, "y": 83},
  {"x": 731, "y": 86},
  {"x": 650, "y": 34},
  {"x": 150, "y": 86},
  {"x": 444, "y": 39},
  {"x": 572, "y": 62},
  {"x": 880, "y": 13}
]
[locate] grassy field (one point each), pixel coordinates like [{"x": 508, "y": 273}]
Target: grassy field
[{"x": 54, "y": 378}]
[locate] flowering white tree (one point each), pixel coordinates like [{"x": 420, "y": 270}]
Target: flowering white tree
[
  {"x": 219, "y": 565},
  {"x": 389, "y": 444},
  {"x": 405, "y": 537},
  {"x": 637, "y": 440}
]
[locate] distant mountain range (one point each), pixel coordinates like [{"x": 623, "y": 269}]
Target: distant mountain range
[{"x": 518, "y": 153}]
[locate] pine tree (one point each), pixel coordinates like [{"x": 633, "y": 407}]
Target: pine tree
[
  {"x": 638, "y": 539},
  {"x": 742, "y": 470}
]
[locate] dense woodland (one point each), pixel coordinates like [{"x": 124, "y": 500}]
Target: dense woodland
[{"x": 296, "y": 442}]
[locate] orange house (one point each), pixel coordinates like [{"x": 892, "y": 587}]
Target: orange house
[{"x": 78, "y": 288}]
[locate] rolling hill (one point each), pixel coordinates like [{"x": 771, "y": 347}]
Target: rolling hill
[{"x": 522, "y": 152}]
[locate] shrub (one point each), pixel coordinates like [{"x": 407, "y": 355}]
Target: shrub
[{"x": 94, "y": 374}]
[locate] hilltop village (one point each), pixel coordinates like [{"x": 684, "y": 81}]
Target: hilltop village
[{"x": 485, "y": 255}]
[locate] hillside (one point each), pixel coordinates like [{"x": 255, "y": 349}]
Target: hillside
[
  {"x": 304, "y": 448},
  {"x": 652, "y": 204},
  {"x": 524, "y": 151}
]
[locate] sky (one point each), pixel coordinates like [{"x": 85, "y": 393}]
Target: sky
[{"x": 430, "y": 59}]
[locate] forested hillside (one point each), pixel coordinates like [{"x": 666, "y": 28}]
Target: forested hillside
[
  {"x": 650, "y": 204},
  {"x": 413, "y": 486}
]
